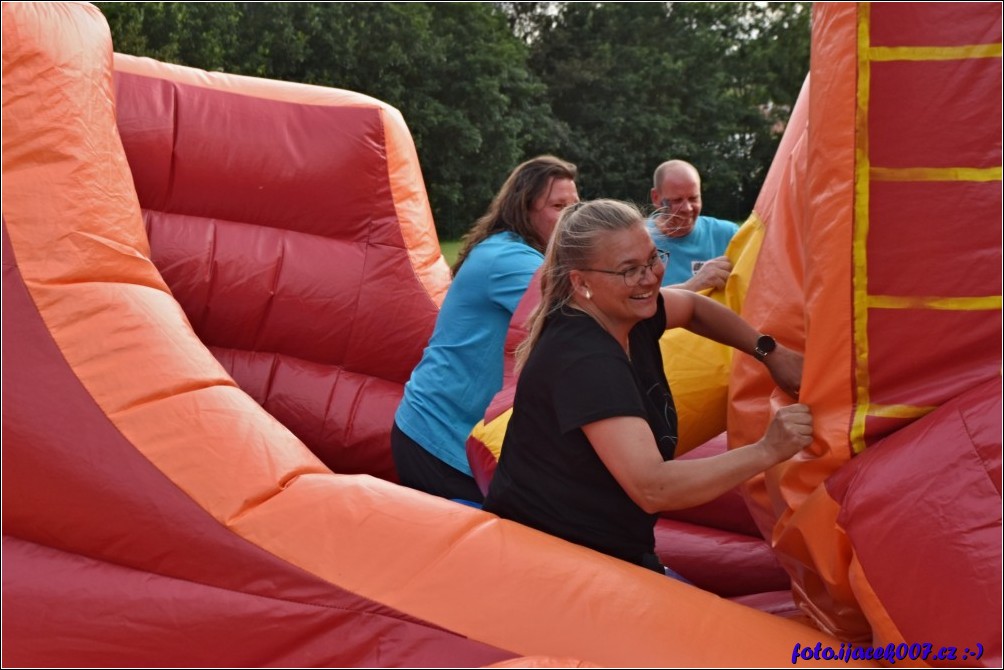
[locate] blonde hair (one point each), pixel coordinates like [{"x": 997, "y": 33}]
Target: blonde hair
[{"x": 576, "y": 237}]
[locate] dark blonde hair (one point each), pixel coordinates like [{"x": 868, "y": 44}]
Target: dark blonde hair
[
  {"x": 510, "y": 209},
  {"x": 577, "y": 235}
]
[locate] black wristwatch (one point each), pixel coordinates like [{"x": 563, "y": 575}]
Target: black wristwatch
[{"x": 764, "y": 345}]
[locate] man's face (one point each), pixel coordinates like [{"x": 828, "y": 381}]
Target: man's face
[
  {"x": 678, "y": 199},
  {"x": 546, "y": 209}
]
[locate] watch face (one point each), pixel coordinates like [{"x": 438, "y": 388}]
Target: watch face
[{"x": 766, "y": 344}]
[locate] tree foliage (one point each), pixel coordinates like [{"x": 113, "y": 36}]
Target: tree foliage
[
  {"x": 711, "y": 83},
  {"x": 615, "y": 87}
]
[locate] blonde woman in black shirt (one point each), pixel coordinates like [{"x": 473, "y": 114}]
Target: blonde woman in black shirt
[{"x": 588, "y": 453}]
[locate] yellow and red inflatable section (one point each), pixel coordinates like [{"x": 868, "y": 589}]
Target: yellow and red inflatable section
[{"x": 215, "y": 286}]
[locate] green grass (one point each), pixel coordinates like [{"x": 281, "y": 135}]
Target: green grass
[{"x": 450, "y": 249}]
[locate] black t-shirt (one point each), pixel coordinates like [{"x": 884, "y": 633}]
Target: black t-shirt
[{"x": 549, "y": 476}]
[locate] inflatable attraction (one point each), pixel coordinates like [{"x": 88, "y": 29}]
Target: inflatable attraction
[{"x": 215, "y": 287}]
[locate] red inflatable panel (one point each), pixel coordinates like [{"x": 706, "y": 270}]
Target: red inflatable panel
[
  {"x": 937, "y": 24},
  {"x": 952, "y": 243},
  {"x": 107, "y": 615},
  {"x": 914, "y": 507},
  {"x": 275, "y": 224},
  {"x": 722, "y": 562}
]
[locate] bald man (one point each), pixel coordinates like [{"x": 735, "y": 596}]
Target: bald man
[{"x": 695, "y": 243}]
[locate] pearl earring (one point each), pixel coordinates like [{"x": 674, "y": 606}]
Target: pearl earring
[{"x": 589, "y": 295}]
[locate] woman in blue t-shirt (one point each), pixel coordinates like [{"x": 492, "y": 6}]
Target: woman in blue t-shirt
[
  {"x": 588, "y": 452},
  {"x": 461, "y": 368}
]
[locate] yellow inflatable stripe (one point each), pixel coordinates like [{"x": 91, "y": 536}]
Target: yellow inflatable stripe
[
  {"x": 968, "y": 304},
  {"x": 936, "y": 174},
  {"x": 962, "y": 52},
  {"x": 862, "y": 174},
  {"x": 492, "y": 433},
  {"x": 743, "y": 251},
  {"x": 900, "y": 411}
]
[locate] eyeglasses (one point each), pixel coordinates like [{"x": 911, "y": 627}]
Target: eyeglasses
[{"x": 634, "y": 274}]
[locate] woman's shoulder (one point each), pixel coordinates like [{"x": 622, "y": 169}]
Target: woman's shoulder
[
  {"x": 502, "y": 253},
  {"x": 505, "y": 240},
  {"x": 573, "y": 354},
  {"x": 574, "y": 335}
]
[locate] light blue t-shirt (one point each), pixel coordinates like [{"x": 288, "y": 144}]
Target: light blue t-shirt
[
  {"x": 707, "y": 240},
  {"x": 461, "y": 368}
]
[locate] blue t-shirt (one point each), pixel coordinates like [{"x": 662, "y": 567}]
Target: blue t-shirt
[
  {"x": 707, "y": 240},
  {"x": 461, "y": 368}
]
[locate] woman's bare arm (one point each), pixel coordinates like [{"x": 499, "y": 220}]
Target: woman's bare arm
[{"x": 628, "y": 450}]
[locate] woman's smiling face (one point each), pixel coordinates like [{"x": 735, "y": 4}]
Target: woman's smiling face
[{"x": 628, "y": 251}]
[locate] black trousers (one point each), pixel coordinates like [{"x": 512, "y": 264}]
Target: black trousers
[{"x": 418, "y": 469}]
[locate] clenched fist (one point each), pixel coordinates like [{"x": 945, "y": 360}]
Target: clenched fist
[{"x": 789, "y": 432}]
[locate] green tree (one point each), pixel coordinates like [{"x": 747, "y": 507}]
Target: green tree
[
  {"x": 639, "y": 83},
  {"x": 598, "y": 61},
  {"x": 202, "y": 34},
  {"x": 529, "y": 19}
]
